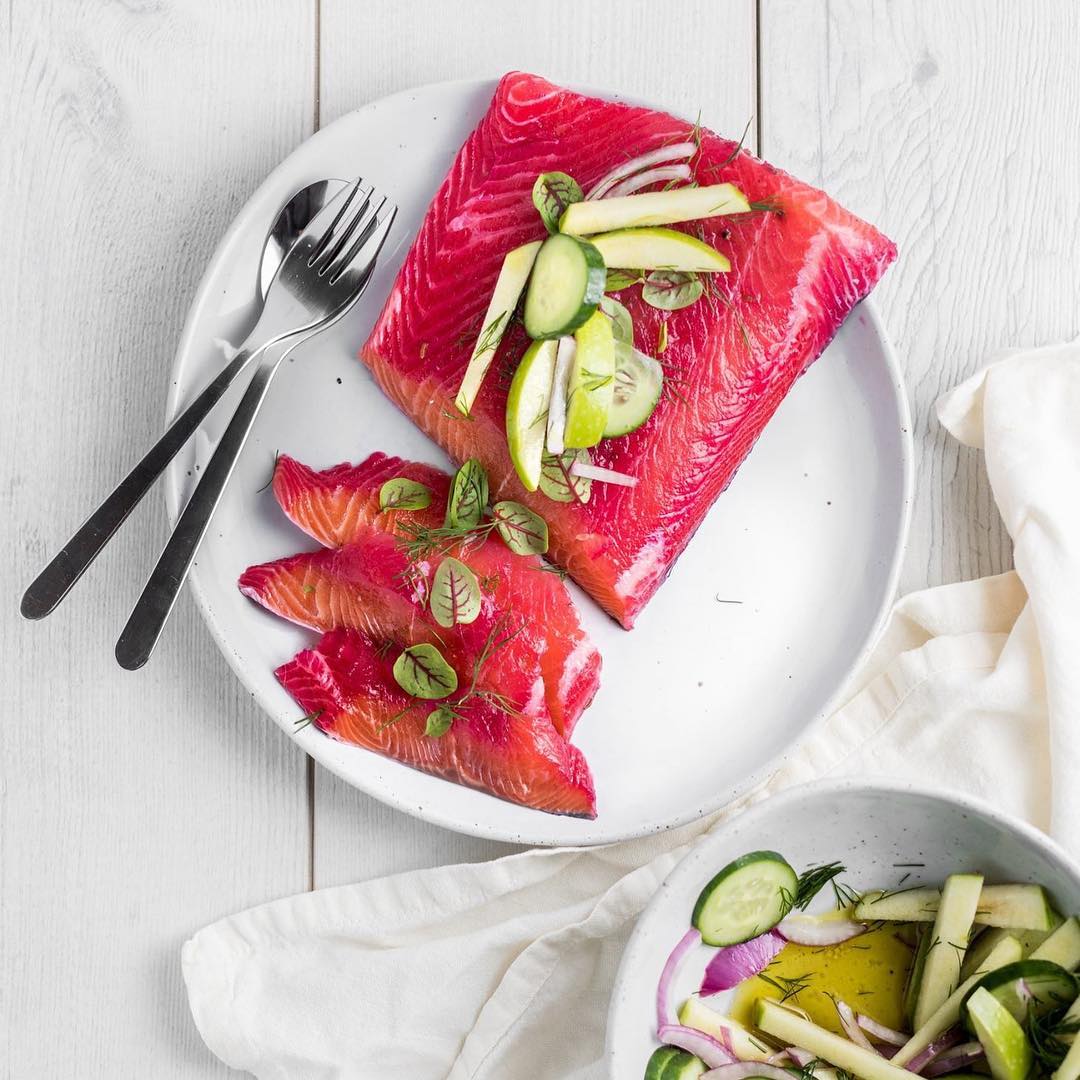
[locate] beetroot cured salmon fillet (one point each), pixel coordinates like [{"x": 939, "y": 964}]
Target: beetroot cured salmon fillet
[
  {"x": 370, "y": 585},
  {"x": 340, "y": 506},
  {"x": 798, "y": 267},
  {"x": 347, "y": 685}
]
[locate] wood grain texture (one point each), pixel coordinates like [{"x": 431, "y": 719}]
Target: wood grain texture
[
  {"x": 134, "y": 808},
  {"x": 380, "y": 47},
  {"x": 953, "y": 128}
]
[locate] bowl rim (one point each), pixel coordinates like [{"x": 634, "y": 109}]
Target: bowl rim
[{"x": 815, "y": 789}]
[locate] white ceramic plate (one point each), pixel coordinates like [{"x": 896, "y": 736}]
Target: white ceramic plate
[
  {"x": 754, "y": 633},
  {"x": 870, "y": 828}
]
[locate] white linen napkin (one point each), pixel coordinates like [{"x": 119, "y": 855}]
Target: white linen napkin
[{"x": 502, "y": 970}]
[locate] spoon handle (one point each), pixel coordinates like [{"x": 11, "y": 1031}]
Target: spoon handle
[
  {"x": 152, "y": 610},
  {"x": 71, "y": 562}
]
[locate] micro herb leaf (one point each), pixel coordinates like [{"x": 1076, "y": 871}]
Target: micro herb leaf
[
  {"x": 401, "y": 493},
  {"x": 670, "y": 290},
  {"x": 622, "y": 325},
  {"x": 558, "y": 483},
  {"x": 468, "y": 496},
  {"x": 455, "y": 593},
  {"x": 439, "y": 721},
  {"x": 617, "y": 280},
  {"x": 523, "y": 532},
  {"x": 422, "y": 672},
  {"x": 552, "y": 193},
  {"x": 661, "y": 338}
]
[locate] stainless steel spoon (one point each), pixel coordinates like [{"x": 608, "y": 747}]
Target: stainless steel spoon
[{"x": 72, "y": 561}]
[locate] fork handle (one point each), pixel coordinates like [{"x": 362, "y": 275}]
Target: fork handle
[
  {"x": 151, "y": 612},
  {"x": 72, "y": 561}
]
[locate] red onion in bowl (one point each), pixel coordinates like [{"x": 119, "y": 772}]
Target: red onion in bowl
[
  {"x": 699, "y": 1044},
  {"x": 743, "y": 1070},
  {"x": 689, "y": 940},
  {"x": 946, "y": 1041},
  {"x": 813, "y": 930},
  {"x": 851, "y": 1028},
  {"x": 889, "y": 1036},
  {"x": 734, "y": 963},
  {"x": 960, "y": 1057}
]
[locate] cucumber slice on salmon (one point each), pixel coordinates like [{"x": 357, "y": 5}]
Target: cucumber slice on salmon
[
  {"x": 639, "y": 381},
  {"x": 948, "y": 943},
  {"x": 652, "y": 208},
  {"x": 1026, "y": 986},
  {"x": 565, "y": 287},
  {"x": 592, "y": 382},
  {"x": 508, "y": 289},
  {"x": 658, "y": 249},
  {"x": 746, "y": 898},
  {"x": 527, "y": 410}
]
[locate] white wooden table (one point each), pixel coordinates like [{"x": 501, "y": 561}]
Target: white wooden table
[{"x": 136, "y": 808}]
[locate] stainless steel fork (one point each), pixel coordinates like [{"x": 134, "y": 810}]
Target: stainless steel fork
[
  {"x": 344, "y": 260},
  {"x": 309, "y": 287}
]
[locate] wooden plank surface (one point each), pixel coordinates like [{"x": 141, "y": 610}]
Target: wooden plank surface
[
  {"x": 953, "y": 128},
  {"x": 134, "y": 808},
  {"x": 380, "y": 47}
]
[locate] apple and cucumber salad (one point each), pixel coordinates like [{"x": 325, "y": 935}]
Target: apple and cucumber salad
[
  {"x": 989, "y": 987},
  {"x": 581, "y": 380}
]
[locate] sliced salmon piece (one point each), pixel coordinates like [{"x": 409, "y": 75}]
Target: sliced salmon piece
[
  {"x": 346, "y": 683},
  {"x": 340, "y": 506},
  {"x": 730, "y": 359}
]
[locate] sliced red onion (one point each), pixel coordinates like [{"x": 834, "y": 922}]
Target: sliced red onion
[
  {"x": 734, "y": 963},
  {"x": 812, "y": 930},
  {"x": 889, "y": 1036},
  {"x": 597, "y": 472},
  {"x": 690, "y": 940},
  {"x": 801, "y": 1057},
  {"x": 945, "y": 1041},
  {"x": 781, "y": 1057},
  {"x": 851, "y": 1027},
  {"x": 649, "y": 176},
  {"x": 742, "y": 1070},
  {"x": 959, "y": 1057},
  {"x": 699, "y": 1044},
  {"x": 675, "y": 152},
  {"x": 556, "y": 421}
]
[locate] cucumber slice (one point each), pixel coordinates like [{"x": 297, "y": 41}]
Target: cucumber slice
[
  {"x": 790, "y": 1028},
  {"x": 658, "y": 1061},
  {"x": 746, "y": 898},
  {"x": 658, "y": 249},
  {"x": 652, "y": 208},
  {"x": 948, "y": 943},
  {"x": 693, "y": 1013},
  {"x": 527, "y": 410},
  {"x": 1062, "y": 946},
  {"x": 592, "y": 382},
  {"x": 914, "y": 979},
  {"x": 684, "y": 1066},
  {"x": 1013, "y": 907},
  {"x": 508, "y": 289},
  {"x": 639, "y": 380},
  {"x": 1026, "y": 986},
  {"x": 1005, "y": 952},
  {"x": 1008, "y": 1052},
  {"x": 566, "y": 285}
]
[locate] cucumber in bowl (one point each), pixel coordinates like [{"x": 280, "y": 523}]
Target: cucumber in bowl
[{"x": 747, "y": 897}]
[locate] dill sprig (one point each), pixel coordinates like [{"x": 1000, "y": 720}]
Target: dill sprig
[
  {"x": 1051, "y": 1035},
  {"x": 738, "y": 148},
  {"x": 273, "y": 469},
  {"x": 788, "y": 987},
  {"x": 810, "y": 883},
  {"x": 304, "y": 721}
]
